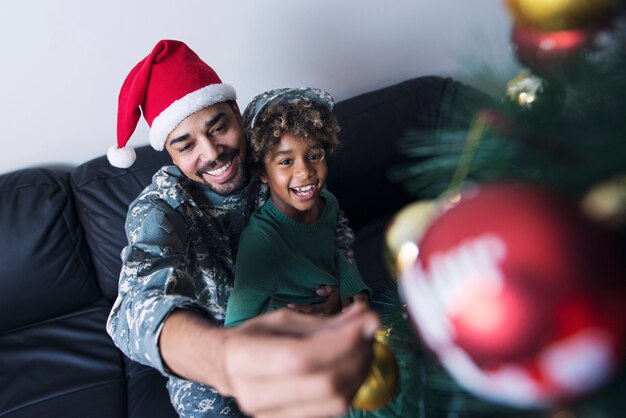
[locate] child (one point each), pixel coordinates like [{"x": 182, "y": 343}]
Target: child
[{"x": 288, "y": 249}]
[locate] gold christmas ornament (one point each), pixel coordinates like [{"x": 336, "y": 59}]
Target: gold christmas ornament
[
  {"x": 554, "y": 15},
  {"x": 606, "y": 202},
  {"x": 381, "y": 383},
  {"x": 525, "y": 89},
  {"x": 408, "y": 225},
  {"x": 383, "y": 334}
]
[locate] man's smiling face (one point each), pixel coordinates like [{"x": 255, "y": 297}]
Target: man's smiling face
[{"x": 209, "y": 147}]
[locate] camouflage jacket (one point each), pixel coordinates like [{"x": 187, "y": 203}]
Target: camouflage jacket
[{"x": 182, "y": 240}]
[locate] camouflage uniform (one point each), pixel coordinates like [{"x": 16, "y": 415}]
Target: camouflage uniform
[{"x": 182, "y": 241}]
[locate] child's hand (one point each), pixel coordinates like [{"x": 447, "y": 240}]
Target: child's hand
[{"x": 360, "y": 297}]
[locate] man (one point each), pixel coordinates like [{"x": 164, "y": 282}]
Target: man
[{"x": 177, "y": 272}]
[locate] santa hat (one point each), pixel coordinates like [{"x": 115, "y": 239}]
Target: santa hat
[{"x": 168, "y": 85}]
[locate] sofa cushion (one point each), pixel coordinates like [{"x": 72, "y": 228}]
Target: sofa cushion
[
  {"x": 102, "y": 194},
  {"x": 46, "y": 267},
  {"x": 147, "y": 396},
  {"x": 372, "y": 123},
  {"x": 66, "y": 366}
]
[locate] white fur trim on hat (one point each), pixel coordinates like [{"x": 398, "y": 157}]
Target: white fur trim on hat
[
  {"x": 175, "y": 113},
  {"x": 121, "y": 157}
]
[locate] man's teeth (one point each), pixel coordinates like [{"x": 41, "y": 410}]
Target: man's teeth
[{"x": 220, "y": 170}]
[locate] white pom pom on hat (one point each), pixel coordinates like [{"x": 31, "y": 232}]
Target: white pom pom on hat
[
  {"x": 168, "y": 85},
  {"x": 121, "y": 157}
]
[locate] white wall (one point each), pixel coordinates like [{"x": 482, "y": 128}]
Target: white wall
[{"x": 63, "y": 61}]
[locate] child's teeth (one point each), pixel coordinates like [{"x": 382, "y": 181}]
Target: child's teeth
[{"x": 305, "y": 190}]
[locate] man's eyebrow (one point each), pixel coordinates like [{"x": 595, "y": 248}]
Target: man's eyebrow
[
  {"x": 211, "y": 122},
  {"x": 179, "y": 139}
]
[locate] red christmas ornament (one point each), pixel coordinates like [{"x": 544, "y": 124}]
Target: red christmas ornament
[
  {"x": 521, "y": 298},
  {"x": 551, "y": 54}
]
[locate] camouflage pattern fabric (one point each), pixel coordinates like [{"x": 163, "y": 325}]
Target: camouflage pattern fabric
[{"x": 182, "y": 239}]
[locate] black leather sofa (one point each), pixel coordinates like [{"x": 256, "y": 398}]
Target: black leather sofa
[{"x": 62, "y": 232}]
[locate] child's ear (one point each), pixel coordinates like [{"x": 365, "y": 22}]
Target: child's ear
[{"x": 260, "y": 171}]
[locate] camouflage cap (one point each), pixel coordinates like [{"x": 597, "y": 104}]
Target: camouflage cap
[{"x": 283, "y": 95}]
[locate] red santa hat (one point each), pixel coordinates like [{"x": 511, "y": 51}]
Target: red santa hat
[{"x": 168, "y": 85}]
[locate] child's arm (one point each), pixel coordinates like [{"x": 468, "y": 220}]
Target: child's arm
[
  {"x": 254, "y": 280},
  {"x": 351, "y": 285}
]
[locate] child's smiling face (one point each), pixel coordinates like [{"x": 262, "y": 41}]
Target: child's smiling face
[{"x": 295, "y": 171}]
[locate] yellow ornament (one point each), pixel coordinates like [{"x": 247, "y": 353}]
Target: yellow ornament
[
  {"x": 383, "y": 334},
  {"x": 606, "y": 202},
  {"x": 555, "y": 15},
  {"x": 381, "y": 383},
  {"x": 525, "y": 89},
  {"x": 408, "y": 225}
]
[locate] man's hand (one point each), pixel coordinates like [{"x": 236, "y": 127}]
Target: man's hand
[
  {"x": 363, "y": 297},
  {"x": 282, "y": 364},
  {"x": 331, "y": 305},
  {"x": 285, "y": 364}
]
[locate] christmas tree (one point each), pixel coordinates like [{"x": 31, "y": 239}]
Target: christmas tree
[{"x": 510, "y": 265}]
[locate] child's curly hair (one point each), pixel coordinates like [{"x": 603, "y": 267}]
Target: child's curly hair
[{"x": 307, "y": 120}]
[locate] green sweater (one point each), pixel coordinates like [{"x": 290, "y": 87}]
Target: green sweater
[{"x": 283, "y": 261}]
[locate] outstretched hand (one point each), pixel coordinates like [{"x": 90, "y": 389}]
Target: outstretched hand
[
  {"x": 285, "y": 364},
  {"x": 281, "y": 364}
]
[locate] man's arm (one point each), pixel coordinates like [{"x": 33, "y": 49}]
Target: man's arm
[
  {"x": 330, "y": 306},
  {"x": 152, "y": 281},
  {"x": 278, "y": 364}
]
